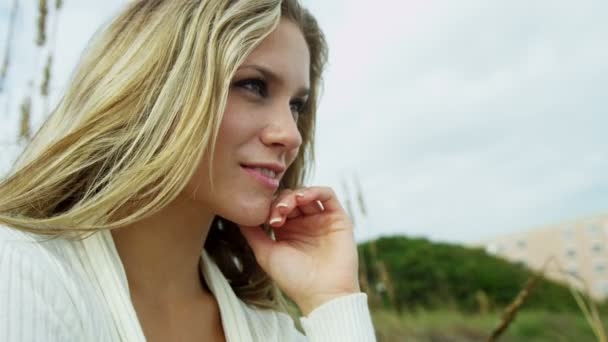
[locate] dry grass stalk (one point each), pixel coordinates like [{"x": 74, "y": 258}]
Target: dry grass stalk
[
  {"x": 25, "y": 123},
  {"x": 347, "y": 202},
  {"x": 589, "y": 310},
  {"x": 46, "y": 77},
  {"x": 483, "y": 302},
  {"x": 586, "y": 304},
  {"x": 42, "y": 16},
  {"x": 375, "y": 300},
  {"x": 380, "y": 266},
  {"x": 388, "y": 284},
  {"x": 360, "y": 197},
  {"x": 582, "y": 297},
  {"x": 363, "y": 279},
  {"x": 511, "y": 311},
  {"x": 9, "y": 41},
  {"x": 46, "y": 80}
]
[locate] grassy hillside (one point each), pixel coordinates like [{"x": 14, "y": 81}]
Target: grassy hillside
[
  {"x": 452, "y": 326},
  {"x": 409, "y": 274}
]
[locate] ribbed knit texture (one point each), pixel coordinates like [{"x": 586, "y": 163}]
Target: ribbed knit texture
[
  {"x": 335, "y": 320},
  {"x": 63, "y": 290}
]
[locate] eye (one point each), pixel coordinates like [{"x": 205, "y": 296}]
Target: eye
[{"x": 254, "y": 85}]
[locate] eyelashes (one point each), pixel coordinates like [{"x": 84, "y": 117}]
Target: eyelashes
[
  {"x": 259, "y": 87},
  {"x": 254, "y": 85}
]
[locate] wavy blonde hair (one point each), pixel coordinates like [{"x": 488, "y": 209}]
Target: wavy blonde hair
[{"x": 142, "y": 109}]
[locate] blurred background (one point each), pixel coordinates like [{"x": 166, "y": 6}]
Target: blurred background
[{"x": 463, "y": 136}]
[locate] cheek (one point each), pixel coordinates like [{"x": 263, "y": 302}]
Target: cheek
[{"x": 234, "y": 199}]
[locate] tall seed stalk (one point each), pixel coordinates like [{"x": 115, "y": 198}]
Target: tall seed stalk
[
  {"x": 42, "y": 16},
  {"x": 9, "y": 42},
  {"x": 380, "y": 265},
  {"x": 7, "y": 55},
  {"x": 25, "y": 119},
  {"x": 586, "y": 304},
  {"x": 363, "y": 264},
  {"x": 582, "y": 297},
  {"x": 510, "y": 312},
  {"x": 46, "y": 73}
]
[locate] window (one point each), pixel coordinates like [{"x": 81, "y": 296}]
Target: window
[
  {"x": 593, "y": 229},
  {"x": 521, "y": 244},
  {"x": 600, "y": 268},
  {"x": 597, "y": 248},
  {"x": 570, "y": 252}
]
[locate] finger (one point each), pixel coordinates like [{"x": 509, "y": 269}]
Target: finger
[
  {"x": 295, "y": 213},
  {"x": 280, "y": 204},
  {"x": 278, "y": 219},
  {"x": 325, "y": 195},
  {"x": 284, "y": 206},
  {"x": 294, "y": 207},
  {"x": 309, "y": 205},
  {"x": 259, "y": 242}
]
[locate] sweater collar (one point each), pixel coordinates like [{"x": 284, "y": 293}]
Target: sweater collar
[{"x": 108, "y": 270}]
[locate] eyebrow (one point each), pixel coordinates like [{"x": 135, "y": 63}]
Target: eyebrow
[{"x": 271, "y": 75}]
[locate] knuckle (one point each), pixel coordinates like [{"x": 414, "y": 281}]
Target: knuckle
[{"x": 329, "y": 190}]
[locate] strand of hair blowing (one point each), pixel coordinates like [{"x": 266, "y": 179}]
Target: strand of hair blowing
[
  {"x": 142, "y": 108},
  {"x": 136, "y": 118}
]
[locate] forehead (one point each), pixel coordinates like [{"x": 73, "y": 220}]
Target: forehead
[{"x": 284, "y": 52}]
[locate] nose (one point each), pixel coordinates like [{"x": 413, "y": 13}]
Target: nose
[{"x": 282, "y": 129}]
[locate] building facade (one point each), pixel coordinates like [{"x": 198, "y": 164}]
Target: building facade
[{"x": 574, "y": 252}]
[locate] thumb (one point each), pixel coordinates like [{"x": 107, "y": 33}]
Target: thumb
[{"x": 260, "y": 243}]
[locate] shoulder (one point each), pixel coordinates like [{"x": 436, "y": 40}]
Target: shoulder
[
  {"x": 22, "y": 257},
  {"x": 39, "y": 300},
  {"x": 30, "y": 258}
]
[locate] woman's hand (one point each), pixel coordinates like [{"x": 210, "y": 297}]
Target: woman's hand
[{"x": 314, "y": 258}]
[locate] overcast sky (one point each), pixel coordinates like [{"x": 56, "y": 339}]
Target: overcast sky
[{"x": 461, "y": 119}]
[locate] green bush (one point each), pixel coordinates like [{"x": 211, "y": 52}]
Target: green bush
[{"x": 427, "y": 275}]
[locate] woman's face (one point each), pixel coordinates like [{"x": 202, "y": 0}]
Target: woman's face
[{"x": 258, "y": 129}]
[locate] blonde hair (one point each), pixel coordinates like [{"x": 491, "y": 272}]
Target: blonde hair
[{"x": 142, "y": 109}]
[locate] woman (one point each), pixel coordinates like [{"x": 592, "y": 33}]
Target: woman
[{"x": 169, "y": 180}]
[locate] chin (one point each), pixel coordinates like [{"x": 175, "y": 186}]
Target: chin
[{"x": 247, "y": 215}]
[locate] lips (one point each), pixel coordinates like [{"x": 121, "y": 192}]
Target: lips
[
  {"x": 277, "y": 168},
  {"x": 261, "y": 177}
]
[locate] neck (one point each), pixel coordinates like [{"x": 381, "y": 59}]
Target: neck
[{"x": 161, "y": 253}]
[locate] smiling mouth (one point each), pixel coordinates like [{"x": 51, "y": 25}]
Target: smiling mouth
[{"x": 264, "y": 176}]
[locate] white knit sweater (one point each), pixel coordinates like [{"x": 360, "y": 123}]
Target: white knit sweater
[{"x": 61, "y": 290}]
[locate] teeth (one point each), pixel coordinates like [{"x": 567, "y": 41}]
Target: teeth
[{"x": 266, "y": 172}]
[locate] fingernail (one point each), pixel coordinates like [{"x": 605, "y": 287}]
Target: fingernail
[
  {"x": 320, "y": 205},
  {"x": 282, "y": 205},
  {"x": 275, "y": 220},
  {"x": 299, "y": 194}
]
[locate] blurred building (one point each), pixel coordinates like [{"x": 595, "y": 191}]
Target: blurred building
[{"x": 579, "y": 250}]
